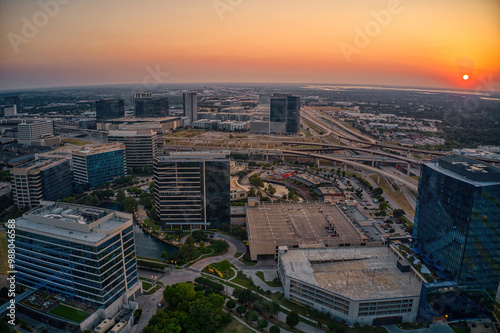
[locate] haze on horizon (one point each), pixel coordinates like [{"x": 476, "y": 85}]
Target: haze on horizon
[{"x": 417, "y": 43}]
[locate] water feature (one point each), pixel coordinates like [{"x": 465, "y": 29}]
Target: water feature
[{"x": 145, "y": 244}]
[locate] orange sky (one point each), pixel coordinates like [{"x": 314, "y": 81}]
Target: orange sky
[{"x": 421, "y": 42}]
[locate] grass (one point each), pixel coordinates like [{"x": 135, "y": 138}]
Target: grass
[
  {"x": 243, "y": 280},
  {"x": 237, "y": 254},
  {"x": 226, "y": 274},
  {"x": 152, "y": 291},
  {"x": 75, "y": 142},
  {"x": 66, "y": 312},
  {"x": 4, "y": 267},
  {"x": 236, "y": 327},
  {"x": 397, "y": 196},
  {"x": 146, "y": 285},
  {"x": 151, "y": 225},
  {"x": 188, "y": 133},
  {"x": 260, "y": 274}
]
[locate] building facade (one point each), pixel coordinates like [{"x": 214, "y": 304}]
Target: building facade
[
  {"x": 42, "y": 179},
  {"x": 192, "y": 189},
  {"x": 457, "y": 220},
  {"x": 109, "y": 108},
  {"x": 97, "y": 165},
  {"x": 148, "y": 106},
  {"x": 190, "y": 105},
  {"x": 11, "y": 107},
  {"x": 82, "y": 253},
  {"x": 35, "y": 130},
  {"x": 141, "y": 146},
  {"x": 285, "y": 114}
]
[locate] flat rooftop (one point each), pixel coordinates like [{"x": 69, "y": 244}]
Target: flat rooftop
[
  {"x": 466, "y": 169},
  {"x": 357, "y": 273},
  {"x": 304, "y": 223}
]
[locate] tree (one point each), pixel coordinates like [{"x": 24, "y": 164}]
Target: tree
[
  {"x": 92, "y": 200},
  {"x": 292, "y": 319},
  {"x": 145, "y": 200},
  {"x": 164, "y": 255},
  {"x": 262, "y": 323},
  {"x": 129, "y": 204},
  {"x": 241, "y": 310},
  {"x": 200, "y": 235},
  {"x": 377, "y": 191},
  {"x": 202, "y": 248},
  {"x": 225, "y": 265},
  {"x": 251, "y": 316},
  {"x": 179, "y": 295},
  {"x": 271, "y": 189},
  {"x": 397, "y": 213},
  {"x": 120, "y": 196},
  {"x": 274, "y": 329},
  {"x": 251, "y": 193},
  {"x": 231, "y": 304},
  {"x": 255, "y": 180},
  {"x": 284, "y": 197},
  {"x": 69, "y": 200},
  {"x": 220, "y": 245}
]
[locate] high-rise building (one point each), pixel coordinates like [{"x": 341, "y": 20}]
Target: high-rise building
[
  {"x": 457, "y": 220},
  {"x": 79, "y": 254},
  {"x": 140, "y": 145},
  {"x": 192, "y": 189},
  {"x": 148, "y": 106},
  {"x": 97, "y": 165},
  {"x": 109, "y": 108},
  {"x": 190, "y": 105},
  {"x": 285, "y": 114},
  {"x": 42, "y": 179},
  {"x": 35, "y": 130},
  {"x": 11, "y": 107}
]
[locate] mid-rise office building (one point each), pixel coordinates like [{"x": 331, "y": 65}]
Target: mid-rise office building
[
  {"x": 97, "y": 165},
  {"x": 285, "y": 114},
  {"x": 42, "y": 179},
  {"x": 190, "y": 105},
  {"x": 192, "y": 189},
  {"x": 83, "y": 256},
  {"x": 457, "y": 220},
  {"x": 109, "y": 108},
  {"x": 140, "y": 146},
  {"x": 148, "y": 106},
  {"x": 11, "y": 107},
  {"x": 34, "y": 130}
]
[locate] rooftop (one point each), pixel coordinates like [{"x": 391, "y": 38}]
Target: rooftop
[
  {"x": 194, "y": 155},
  {"x": 304, "y": 224},
  {"x": 466, "y": 169},
  {"x": 357, "y": 273}
]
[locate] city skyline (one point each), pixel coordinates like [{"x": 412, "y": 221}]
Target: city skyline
[{"x": 398, "y": 43}]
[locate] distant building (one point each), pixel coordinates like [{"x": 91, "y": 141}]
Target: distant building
[
  {"x": 35, "y": 130},
  {"x": 190, "y": 105},
  {"x": 11, "y": 107},
  {"x": 97, "y": 165},
  {"x": 109, "y": 108},
  {"x": 192, "y": 189},
  {"x": 82, "y": 256},
  {"x": 364, "y": 285},
  {"x": 141, "y": 146},
  {"x": 148, "y": 106},
  {"x": 457, "y": 220},
  {"x": 42, "y": 179},
  {"x": 285, "y": 114}
]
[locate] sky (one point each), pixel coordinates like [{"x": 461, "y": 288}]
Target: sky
[{"x": 415, "y": 43}]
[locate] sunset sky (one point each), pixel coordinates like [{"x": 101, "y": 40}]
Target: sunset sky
[{"x": 424, "y": 43}]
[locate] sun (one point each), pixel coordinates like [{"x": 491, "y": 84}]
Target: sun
[{"x": 465, "y": 77}]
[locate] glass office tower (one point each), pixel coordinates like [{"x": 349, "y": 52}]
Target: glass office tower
[
  {"x": 457, "y": 220},
  {"x": 109, "y": 108},
  {"x": 192, "y": 189},
  {"x": 285, "y": 114}
]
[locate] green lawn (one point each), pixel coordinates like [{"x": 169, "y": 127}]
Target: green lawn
[
  {"x": 66, "y": 312},
  {"x": 75, "y": 142},
  {"x": 260, "y": 274},
  {"x": 3, "y": 253},
  {"x": 146, "y": 285},
  {"x": 236, "y": 327}
]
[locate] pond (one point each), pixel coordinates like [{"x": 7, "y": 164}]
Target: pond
[{"x": 145, "y": 244}]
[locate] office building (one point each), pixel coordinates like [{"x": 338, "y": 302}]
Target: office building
[
  {"x": 42, "y": 179},
  {"x": 80, "y": 256},
  {"x": 192, "y": 189},
  {"x": 109, "y": 108},
  {"x": 190, "y": 105},
  {"x": 457, "y": 220},
  {"x": 297, "y": 225},
  {"x": 285, "y": 114},
  {"x": 35, "y": 130},
  {"x": 97, "y": 165},
  {"x": 148, "y": 106},
  {"x": 364, "y": 285},
  {"x": 11, "y": 107},
  {"x": 140, "y": 146}
]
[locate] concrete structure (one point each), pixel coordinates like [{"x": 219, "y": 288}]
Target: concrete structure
[
  {"x": 141, "y": 146},
  {"x": 192, "y": 189},
  {"x": 238, "y": 191},
  {"x": 34, "y": 130},
  {"x": 307, "y": 225},
  {"x": 11, "y": 107},
  {"x": 99, "y": 164},
  {"x": 78, "y": 254},
  {"x": 190, "y": 105},
  {"x": 42, "y": 179},
  {"x": 361, "y": 285},
  {"x": 165, "y": 123}
]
